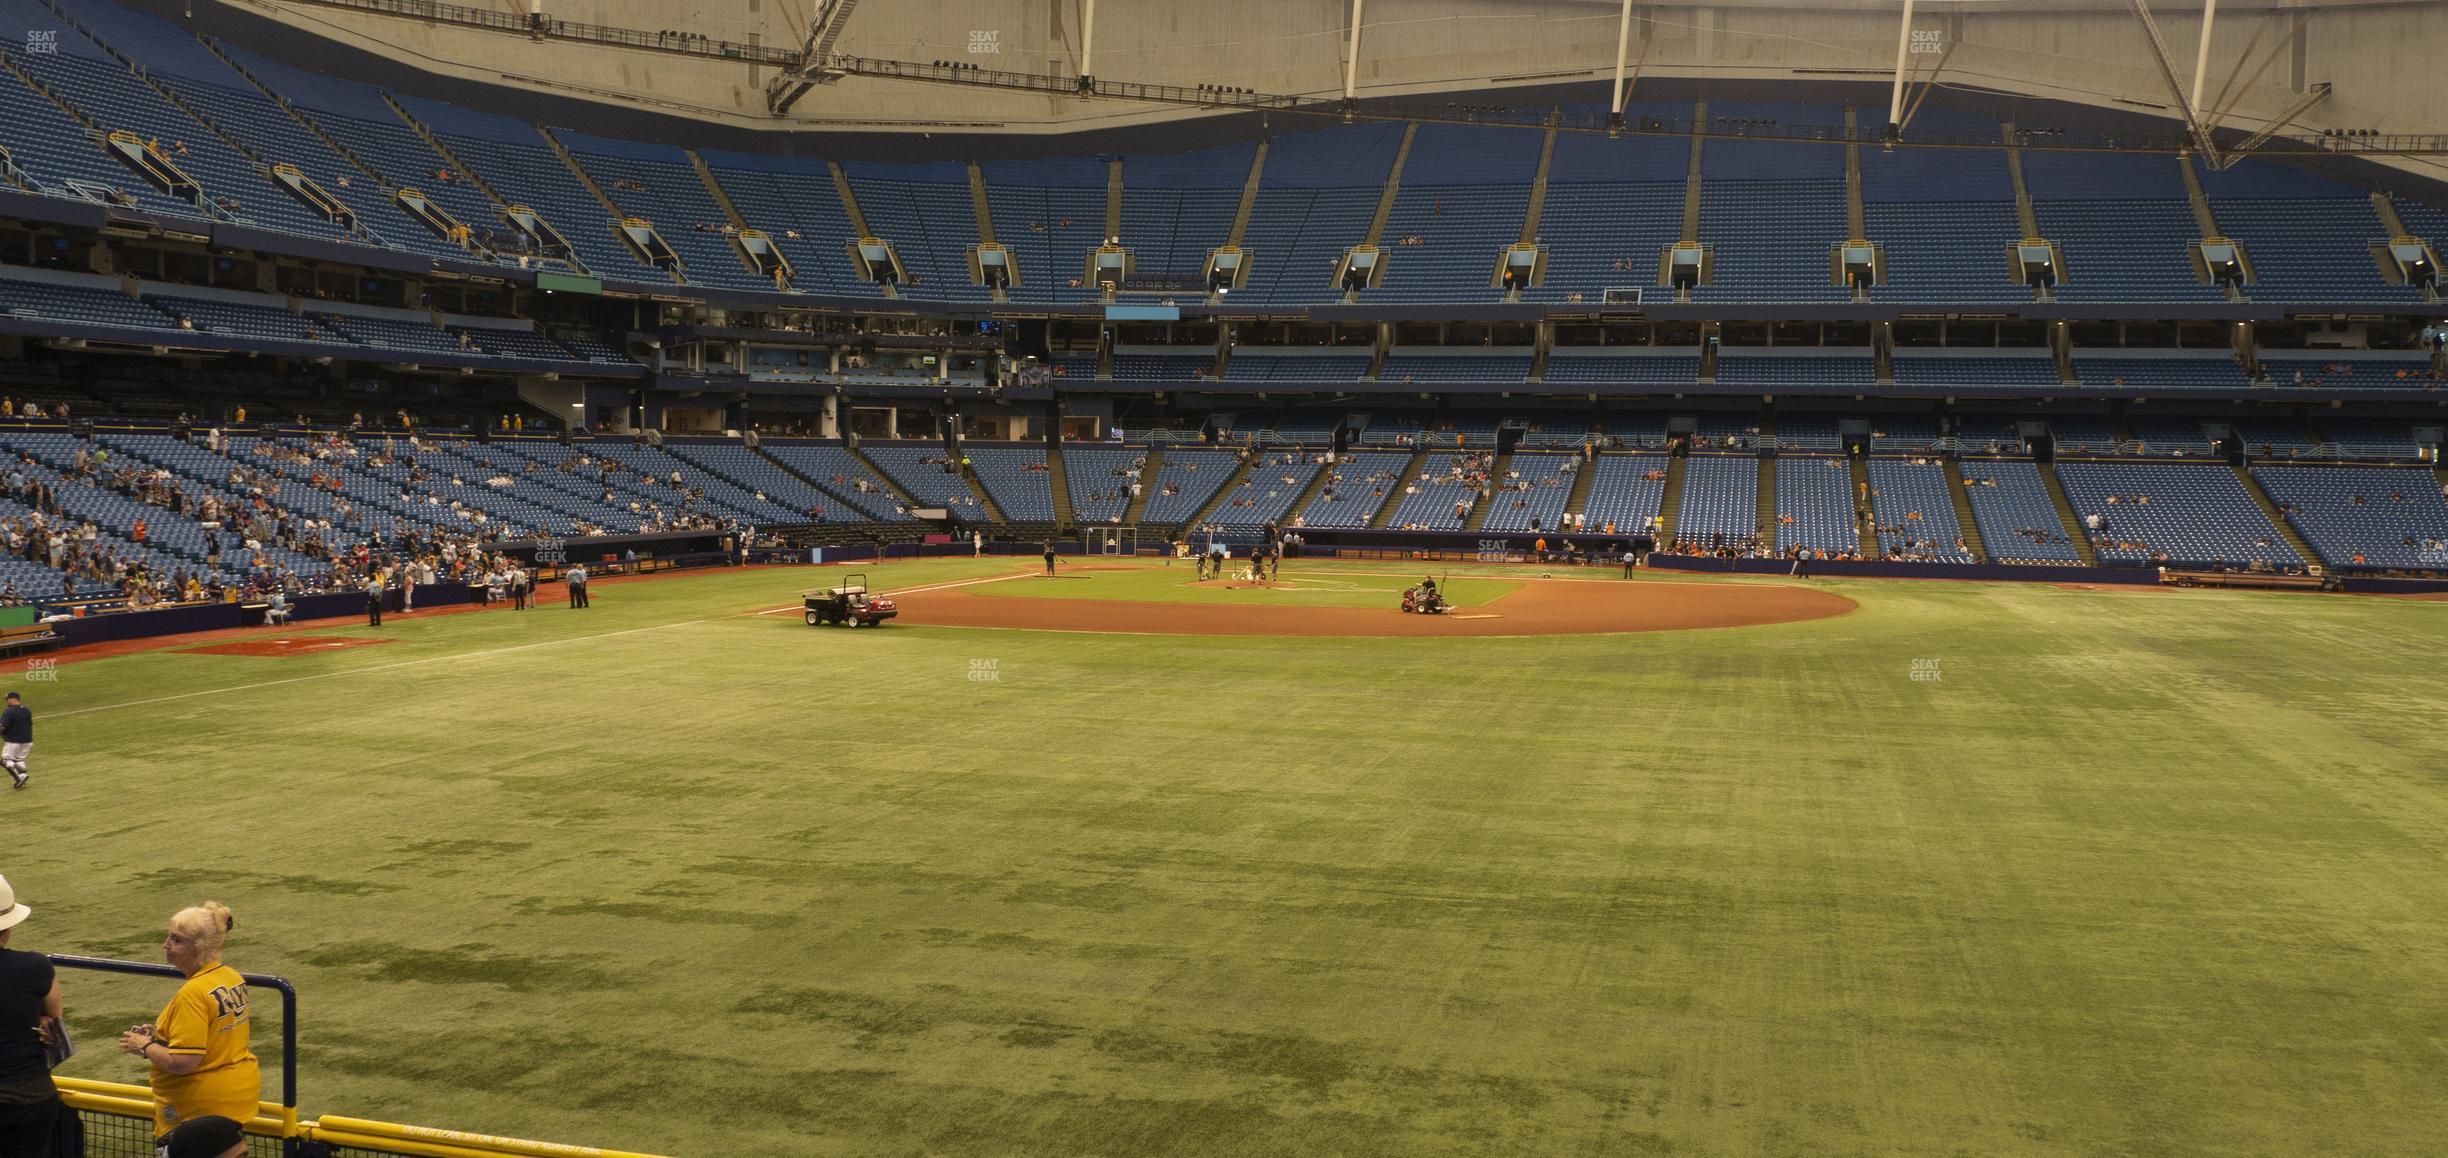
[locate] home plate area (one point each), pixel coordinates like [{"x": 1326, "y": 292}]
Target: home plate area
[{"x": 288, "y": 645}]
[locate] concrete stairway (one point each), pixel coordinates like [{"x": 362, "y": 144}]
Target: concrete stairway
[
  {"x": 1496, "y": 473},
  {"x": 1865, "y": 511},
  {"x": 1059, "y": 480},
  {"x": 2277, "y": 518},
  {"x": 1962, "y": 503},
  {"x": 1767, "y": 528},
  {"x": 1670, "y": 504},
  {"x": 1224, "y": 494},
  {"x": 2066, "y": 517},
  {"x": 1150, "y": 472},
  {"x": 1394, "y": 492}
]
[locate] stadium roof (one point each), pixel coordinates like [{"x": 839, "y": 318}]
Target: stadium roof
[{"x": 2306, "y": 65}]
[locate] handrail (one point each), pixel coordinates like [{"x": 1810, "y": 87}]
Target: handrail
[
  {"x": 289, "y": 1021},
  {"x": 131, "y": 1101}
]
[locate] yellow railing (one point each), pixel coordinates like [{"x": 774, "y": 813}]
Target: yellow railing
[{"x": 273, "y": 1121}]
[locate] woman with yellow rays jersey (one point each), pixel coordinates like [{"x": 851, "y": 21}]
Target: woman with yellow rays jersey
[{"x": 198, "y": 1048}]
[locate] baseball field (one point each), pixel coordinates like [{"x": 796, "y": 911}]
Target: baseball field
[{"x": 1897, "y": 868}]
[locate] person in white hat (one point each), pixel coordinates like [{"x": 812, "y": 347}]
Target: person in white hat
[{"x": 29, "y": 998}]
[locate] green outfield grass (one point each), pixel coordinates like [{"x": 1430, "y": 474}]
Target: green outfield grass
[
  {"x": 1298, "y": 584},
  {"x": 1976, "y": 869}
]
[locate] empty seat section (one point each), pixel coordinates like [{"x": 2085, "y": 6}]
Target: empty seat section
[
  {"x": 1533, "y": 494},
  {"x": 1449, "y": 365},
  {"x": 510, "y": 157},
  {"x": 1857, "y": 369},
  {"x": 1161, "y": 365},
  {"x": 927, "y": 473},
  {"x": 2368, "y": 438},
  {"x": 2309, "y": 238},
  {"x": 1944, "y": 220},
  {"x": 1188, "y": 477},
  {"x": 1016, "y": 478},
  {"x": 657, "y": 183},
  {"x": 1613, "y": 206},
  {"x": 90, "y": 300},
  {"x": 2123, "y": 224},
  {"x": 1261, "y": 364},
  {"x": 831, "y": 466},
  {"x": 2182, "y": 372},
  {"x": 1939, "y": 369},
  {"x": 1769, "y": 210},
  {"x": 2018, "y": 522},
  {"x": 1465, "y": 189},
  {"x": 1567, "y": 365},
  {"x": 1720, "y": 500},
  {"x": 1355, "y": 487},
  {"x": 1267, "y": 492},
  {"x": 1050, "y": 214},
  {"x": 1100, "y": 480},
  {"x": 1442, "y": 496},
  {"x": 1915, "y": 514},
  {"x": 2194, "y": 516},
  {"x": 793, "y": 199},
  {"x": 1625, "y": 491},
  {"x": 2350, "y": 370},
  {"x": 1315, "y": 200},
  {"x": 1814, "y": 504},
  {"x": 1176, "y": 208},
  {"x": 760, "y": 475},
  {"x": 2364, "y": 517},
  {"x": 926, "y": 212}
]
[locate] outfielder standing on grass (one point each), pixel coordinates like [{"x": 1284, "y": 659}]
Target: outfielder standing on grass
[
  {"x": 1049, "y": 557},
  {"x": 16, "y": 738}
]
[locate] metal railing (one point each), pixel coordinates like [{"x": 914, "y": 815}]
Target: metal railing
[
  {"x": 118, "y": 1118},
  {"x": 289, "y": 1002},
  {"x": 284, "y": 1116},
  {"x": 497, "y": 20}
]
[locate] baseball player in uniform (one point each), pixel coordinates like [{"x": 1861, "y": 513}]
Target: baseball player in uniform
[{"x": 16, "y": 738}]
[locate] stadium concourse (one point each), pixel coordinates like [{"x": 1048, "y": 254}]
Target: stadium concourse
[{"x": 313, "y": 309}]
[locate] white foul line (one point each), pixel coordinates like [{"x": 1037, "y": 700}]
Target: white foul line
[
  {"x": 377, "y": 667},
  {"x": 802, "y": 606}
]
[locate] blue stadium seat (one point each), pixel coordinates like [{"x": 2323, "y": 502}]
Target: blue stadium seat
[{"x": 2018, "y": 521}]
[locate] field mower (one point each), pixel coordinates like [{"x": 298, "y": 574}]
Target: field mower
[
  {"x": 1425, "y": 599},
  {"x": 848, "y": 604}
]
